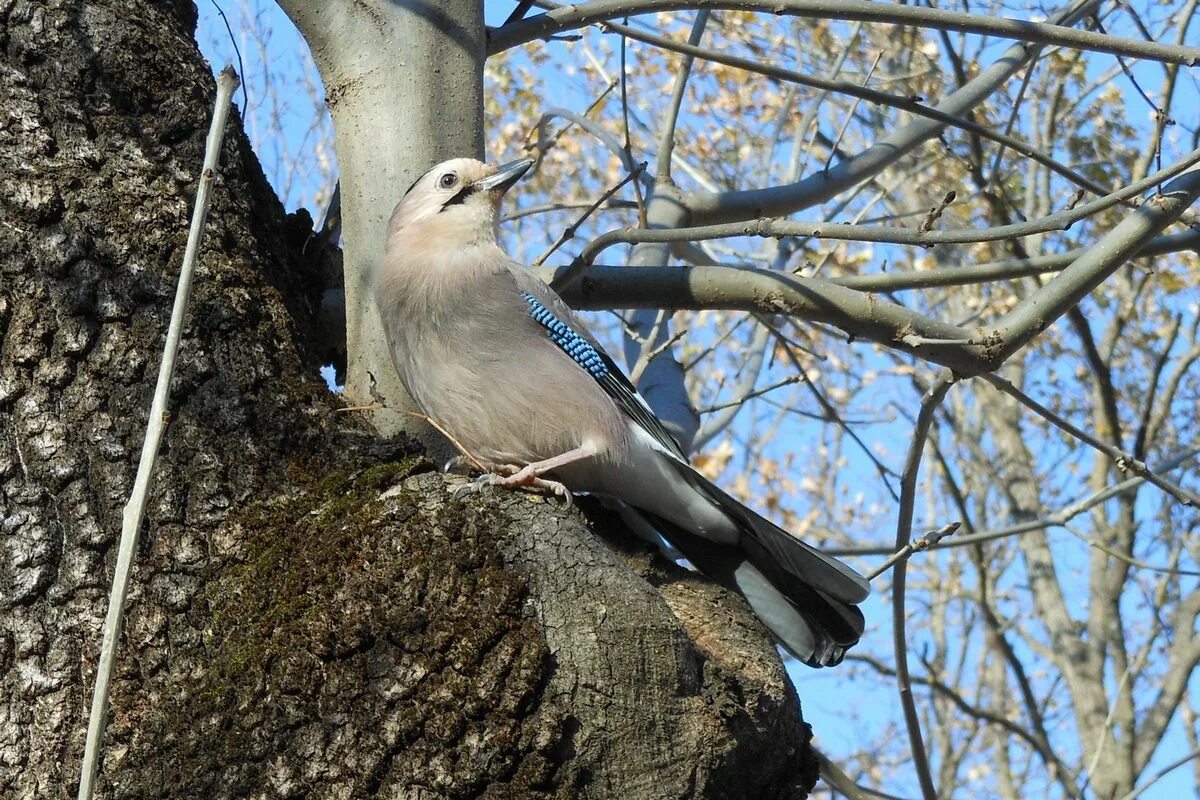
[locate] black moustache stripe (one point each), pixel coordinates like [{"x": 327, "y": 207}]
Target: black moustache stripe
[{"x": 458, "y": 198}]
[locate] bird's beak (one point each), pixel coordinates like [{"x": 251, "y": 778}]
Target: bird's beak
[{"x": 505, "y": 176}]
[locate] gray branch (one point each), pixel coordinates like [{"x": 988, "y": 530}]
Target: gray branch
[
  {"x": 570, "y": 17},
  {"x": 1038, "y": 311},
  {"x": 828, "y": 84},
  {"x": 822, "y": 185},
  {"x": 859, "y": 314},
  {"x": 908, "y": 490},
  {"x": 864, "y": 315},
  {"x": 776, "y": 228},
  {"x": 1002, "y": 270},
  {"x": 1056, "y": 519}
]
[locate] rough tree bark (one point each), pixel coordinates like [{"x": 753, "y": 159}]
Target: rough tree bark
[{"x": 310, "y": 615}]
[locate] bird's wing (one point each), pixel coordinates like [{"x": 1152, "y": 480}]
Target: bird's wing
[
  {"x": 780, "y": 555},
  {"x": 563, "y": 327},
  {"x": 815, "y": 627}
]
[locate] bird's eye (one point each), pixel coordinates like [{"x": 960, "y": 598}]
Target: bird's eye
[{"x": 448, "y": 180}]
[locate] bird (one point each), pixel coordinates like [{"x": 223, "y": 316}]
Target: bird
[{"x": 503, "y": 366}]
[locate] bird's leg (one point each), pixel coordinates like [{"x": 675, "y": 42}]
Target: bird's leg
[
  {"x": 530, "y": 475},
  {"x": 468, "y": 464}
]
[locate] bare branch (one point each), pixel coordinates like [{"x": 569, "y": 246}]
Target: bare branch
[
  {"x": 1038, "y": 311},
  {"x": 666, "y": 145},
  {"x": 1124, "y": 461},
  {"x": 941, "y": 688},
  {"x": 135, "y": 509},
  {"x": 928, "y": 539},
  {"x": 861, "y": 315},
  {"x": 826, "y": 183},
  {"x": 908, "y": 487},
  {"x": 966, "y": 275},
  {"x": 606, "y": 138},
  {"x": 922, "y": 236},
  {"x": 578, "y": 15},
  {"x": 1133, "y": 562},
  {"x": 1056, "y": 519},
  {"x": 841, "y": 782},
  {"x": 569, "y": 232},
  {"x": 831, "y": 413},
  {"x": 1160, "y": 774},
  {"x": 1002, "y": 270}
]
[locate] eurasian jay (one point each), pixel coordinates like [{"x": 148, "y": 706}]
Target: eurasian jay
[{"x": 496, "y": 358}]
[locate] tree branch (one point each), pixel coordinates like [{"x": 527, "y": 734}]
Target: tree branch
[
  {"x": 1050, "y": 521},
  {"x": 666, "y": 144},
  {"x": 135, "y": 509},
  {"x": 901, "y": 280},
  {"x": 908, "y": 488},
  {"x": 1038, "y": 311},
  {"x": 859, "y": 314},
  {"x": 1123, "y": 460},
  {"x": 921, "y": 236},
  {"x": 867, "y": 163},
  {"x": 570, "y": 17}
]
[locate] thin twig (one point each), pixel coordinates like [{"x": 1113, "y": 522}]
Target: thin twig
[
  {"x": 842, "y": 783},
  {"x": 1137, "y": 563},
  {"x": 135, "y": 509},
  {"x": 1012, "y": 119},
  {"x": 627, "y": 146},
  {"x": 902, "y": 102},
  {"x": 811, "y": 114},
  {"x": 935, "y": 213},
  {"x": 1057, "y": 519},
  {"x": 544, "y": 143},
  {"x": 649, "y": 355},
  {"x": 569, "y": 232},
  {"x": 837, "y": 140},
  {"x": 831, "y": 413},
  {"x": 1156, "y": 777},
  {"x": 788, "y": 381},
  {"x": 1124, "y": 461},
  {"x": 927, "y": 540},
  {"x": 236, "y": 51},
  {"x": 666, "y": 145},
  {"x": 908, "y": 489},
  {"x": 457, "y": 444},
  {"x": 547, "y": 208}
]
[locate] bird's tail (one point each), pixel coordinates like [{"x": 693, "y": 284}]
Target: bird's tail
[{"x": 806, "y": 598}]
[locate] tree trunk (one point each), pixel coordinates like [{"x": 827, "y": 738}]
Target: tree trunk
[
  {"x": 290, "y": 631},
  {"x": 404, "y": 85}
]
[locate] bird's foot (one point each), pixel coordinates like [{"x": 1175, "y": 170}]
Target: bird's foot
[{"x": 510, "y": 476}]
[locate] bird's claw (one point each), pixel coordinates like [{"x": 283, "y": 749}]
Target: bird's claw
[
  {"x": 515, "y": 478},
  {"x": 471, "y": 487}
]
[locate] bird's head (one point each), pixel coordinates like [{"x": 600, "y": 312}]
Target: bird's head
[{"x": 455, "y": 203}]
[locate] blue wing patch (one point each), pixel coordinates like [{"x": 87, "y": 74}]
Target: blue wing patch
[
  {"x": 570, "y": 342},
  {"x": 604, "y": 371}
]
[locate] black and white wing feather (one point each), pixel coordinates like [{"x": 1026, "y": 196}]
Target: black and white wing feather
[{"x": 567, "y": 331}]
